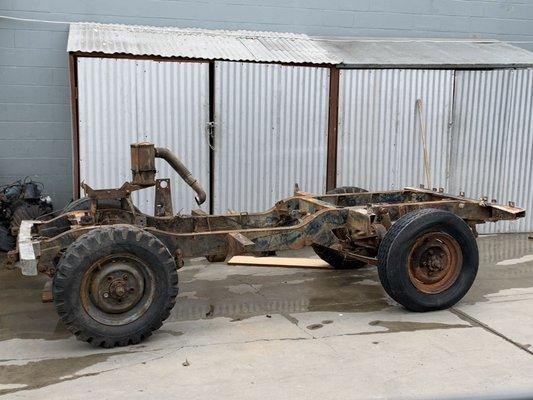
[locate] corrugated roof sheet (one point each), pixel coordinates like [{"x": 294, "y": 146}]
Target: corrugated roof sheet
[
  {"x": 442, "y": 53},
  {"x": 294, "y": 48},
  {"x": 197, "y": 43}
]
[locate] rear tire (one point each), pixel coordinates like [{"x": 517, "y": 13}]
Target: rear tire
[
  {"x": 214, "y": 258},
  {"x": 428, "y": 260},
  {"x": 347, "y": 189},
  {"x": 337, "y": 259},
  {"x": 115, "y": 285}
]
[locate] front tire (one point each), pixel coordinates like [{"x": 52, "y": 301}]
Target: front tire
[
  {"x": 428, "y": 260},
  {"x": 115, "y": 285}
]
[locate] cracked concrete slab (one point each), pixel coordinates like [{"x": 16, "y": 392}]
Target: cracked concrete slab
[
  {"x": 264, "y": 333},
  {"x": 378, "y": 365},
  {"x": 509, "y": 312}
]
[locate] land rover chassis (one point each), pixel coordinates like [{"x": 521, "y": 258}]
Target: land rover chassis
[{"x": 114, "y": 268}]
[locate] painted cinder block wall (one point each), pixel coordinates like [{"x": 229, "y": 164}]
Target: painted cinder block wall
[{"x": 35, "y": 129}]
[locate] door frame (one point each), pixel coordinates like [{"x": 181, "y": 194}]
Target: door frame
[{"x": 73, "y": 73}]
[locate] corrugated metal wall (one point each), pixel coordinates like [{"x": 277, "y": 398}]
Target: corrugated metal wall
[
  {"x": 379, "y": 145},
  {"x": 492, "y": 140},
  {"x": 125, "y": 101},
  {"x": 107, "y": 119},
  {"x": 479, "y": 129},
  {"x": 271, "y": 131}
]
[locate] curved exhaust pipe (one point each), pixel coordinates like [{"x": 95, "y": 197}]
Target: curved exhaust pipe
[{"x": 182, "y": 170}]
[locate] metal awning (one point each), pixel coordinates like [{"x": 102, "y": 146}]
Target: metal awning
[{"x": 255, "y": 46}]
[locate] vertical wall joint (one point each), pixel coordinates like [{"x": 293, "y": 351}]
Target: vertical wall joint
[
  {"x": 333, "y": 118},
  {"x": 73, "y": 71},
  {"x": 211, "y": 135}
]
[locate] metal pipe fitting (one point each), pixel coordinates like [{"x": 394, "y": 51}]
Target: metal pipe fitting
[{"x": 182, "y": 170}]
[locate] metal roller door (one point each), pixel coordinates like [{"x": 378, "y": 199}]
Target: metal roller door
[
  {"x": 492, "y": 140},
  {"x": 379, "y": 140},
  {"x": 270, "y": 132},
  {"x": 122, "y": 101}
]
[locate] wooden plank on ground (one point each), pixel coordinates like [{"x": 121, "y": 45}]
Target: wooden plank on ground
[{"x": 283, "y": 262}]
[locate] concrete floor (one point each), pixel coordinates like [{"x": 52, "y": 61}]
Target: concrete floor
[{"x": 255, "y": 332}]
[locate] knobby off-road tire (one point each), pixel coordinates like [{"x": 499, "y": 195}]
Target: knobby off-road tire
[
  {"x": 115, "y": 285},
  {"x": 337, "y": 259},
  {"x": 428, "y": 260}
]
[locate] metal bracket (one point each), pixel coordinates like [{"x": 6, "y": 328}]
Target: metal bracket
[
  {"x": 163, "y": 198},
  {"x": 140, "y": 220},
  {"x": 117, "y": 193}
]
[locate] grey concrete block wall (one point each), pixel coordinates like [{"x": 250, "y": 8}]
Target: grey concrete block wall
[{"x": 35, "y": 127}]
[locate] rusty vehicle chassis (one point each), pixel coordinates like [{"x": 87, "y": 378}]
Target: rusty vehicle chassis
[
  {"x": 114, "y": 267},
  {"x": 353, "y": 222}
]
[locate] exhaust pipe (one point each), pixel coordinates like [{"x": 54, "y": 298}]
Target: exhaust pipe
[{"x": 182, "y": 170}]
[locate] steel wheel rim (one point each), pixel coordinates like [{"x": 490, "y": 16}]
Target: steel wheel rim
[
  {"x": 117, "y": 289},
  {"x": 434, "y": 262}
]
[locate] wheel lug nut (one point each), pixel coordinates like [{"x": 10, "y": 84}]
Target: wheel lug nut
[
  {"x": 125, "y": 277},
  {"x": 106, "y": 295}
]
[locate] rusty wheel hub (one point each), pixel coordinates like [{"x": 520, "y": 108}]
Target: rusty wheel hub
[
  {"x": 117, "y": 286},
  {"x": 434, "y": 262},
  {"x": 117, "y": 289}
]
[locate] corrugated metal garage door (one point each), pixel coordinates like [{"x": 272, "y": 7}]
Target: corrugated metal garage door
[
  {"x": 124, "y": 101},
  {"x": 271, "y": 131},
  {"x": 479, "y": 133},
  {"x": 379, "y": 145},
  {"x": 493, "y": 141}
]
